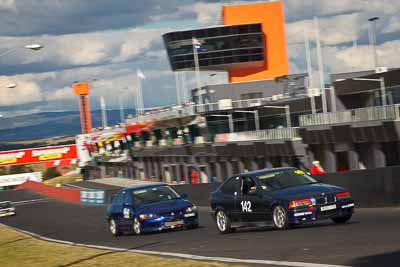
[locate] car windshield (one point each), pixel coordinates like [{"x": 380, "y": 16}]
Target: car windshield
[
  {"x": 5, "y": 205},
  {"x": 154, "y": 194},
  {"x": 276, "y": 180}
]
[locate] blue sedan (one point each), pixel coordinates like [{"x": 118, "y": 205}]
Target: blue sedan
[
  {"x": 280, "y": 197},
  {"x": 150, "y": 208}
]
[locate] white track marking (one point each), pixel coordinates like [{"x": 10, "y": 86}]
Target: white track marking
[
  {"x": 75, "y": 186},
  {"x": 25, "y": 202},
  {"x": 181, "y": 255}
]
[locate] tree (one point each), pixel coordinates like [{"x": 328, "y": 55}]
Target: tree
[
  {"x": 50, "y": 173},
  {"x": 16, "y": 169}
]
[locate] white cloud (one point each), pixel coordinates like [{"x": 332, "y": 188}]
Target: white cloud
[
  {"x": 25, "y": 92},
  {"x": 333, "y": 30},
  {"x": 7, "y": 5}
]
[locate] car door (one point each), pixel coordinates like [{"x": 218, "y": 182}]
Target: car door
[
  {"x": 229, "y": 192},
  {"x": 249, "y": 202},
  {"x": 116, "y": 206}
]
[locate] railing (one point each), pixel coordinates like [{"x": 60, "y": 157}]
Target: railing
[
  {"x": 355, "y": 115},
  {"x": 203, "y": 108},
  {"x": 165, "y": 115},
  {"x": 269, "y": 134}
]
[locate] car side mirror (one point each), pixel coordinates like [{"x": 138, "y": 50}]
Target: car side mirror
[{"x": 184, "y": 195}]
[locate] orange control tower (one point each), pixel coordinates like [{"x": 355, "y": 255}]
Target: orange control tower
[
  {"x": 82, "y": 90},
  {"x": 272, "y": 19}
]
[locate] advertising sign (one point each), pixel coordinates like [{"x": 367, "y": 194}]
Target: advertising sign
[{"x": 36, "y": 155}]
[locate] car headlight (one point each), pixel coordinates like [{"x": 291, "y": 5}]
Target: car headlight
[
  {"x": 12, "y": 209},
  {"x": 147, "y": 216},
  {"x": 301, "y": 203},
  {"x": 191, "y": 209},
  {"x": 343, "y": 195}
]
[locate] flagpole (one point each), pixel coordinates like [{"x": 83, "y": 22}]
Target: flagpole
[{"x": 178, "y": 88}]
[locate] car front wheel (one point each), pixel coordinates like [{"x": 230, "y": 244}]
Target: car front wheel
[
  {"x": 137, "y": 228},
  {"x": 280, "y": 218},
  {"x": 113, "y": 227},
  {"x": 223, "y": 222},
  {"x": 343, "y": 219}
]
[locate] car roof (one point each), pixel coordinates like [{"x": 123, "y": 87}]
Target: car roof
[
  {"x": 140, "y": 187},
  {"x": 264, "y": 171}
]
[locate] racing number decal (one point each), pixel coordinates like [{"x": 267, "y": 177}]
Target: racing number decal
[
  {"x": 246, "y": 206},
  {"x": 127, "y": 213}
]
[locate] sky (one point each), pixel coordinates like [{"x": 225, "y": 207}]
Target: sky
[{"x": 108, "y": 40}]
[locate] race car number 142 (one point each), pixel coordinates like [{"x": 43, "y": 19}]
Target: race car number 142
[{"x": 246, "y": 206}]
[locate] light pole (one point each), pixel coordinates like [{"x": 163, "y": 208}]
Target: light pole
[
  {"x": 372, "y": 39},
  {"x": 230, "y": 120},
  {"x": 287, "y": 111},
  {"x": 256, "y": 117},
  {"x": 196, "y": 45},
  {"x": 34, "y": 47},
  {"x": 121, "y": 106},
  {"x": 320, "y": 66}
]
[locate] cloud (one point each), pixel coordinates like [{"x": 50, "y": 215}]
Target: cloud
[
  {"x": 7, "y": 5},
  {"x": 25, "y": 92}
]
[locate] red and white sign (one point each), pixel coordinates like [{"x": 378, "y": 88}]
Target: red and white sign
[{"x": 35, "y": 155}]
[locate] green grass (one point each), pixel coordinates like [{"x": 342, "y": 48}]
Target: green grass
[
  {"x": 66, "y": 179},
  {"x": 21, "y": 250}
]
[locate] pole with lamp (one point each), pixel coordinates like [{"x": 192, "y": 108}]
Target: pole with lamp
[
  {"x": 196, "y": 45},
  {"x": 372, "y": 39}
]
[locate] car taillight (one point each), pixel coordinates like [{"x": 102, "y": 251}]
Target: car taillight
[
  {"x": 343, "y": 195},
  {"x": 300, "y": 203}
]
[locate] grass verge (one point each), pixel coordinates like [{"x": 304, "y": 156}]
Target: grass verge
[
  {"x": 66, "y": 179},
  {"x": 18, "y": 249}
]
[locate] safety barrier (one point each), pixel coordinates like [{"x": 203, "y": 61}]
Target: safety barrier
[
  {"x": 66, "y": 194},
  {"x": 93, "y": 196}
]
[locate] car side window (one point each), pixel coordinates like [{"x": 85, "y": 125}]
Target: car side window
[
  {"x": 120, "y": 197},
  {"x": 248, "y": 186},
  {"x": 127, "y": 198},
  {"x": 230, "y": 187}
]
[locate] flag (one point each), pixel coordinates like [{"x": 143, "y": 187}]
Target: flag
[
  {"x": 140, "y": 74},
  {"x": 196, "y": 43}
]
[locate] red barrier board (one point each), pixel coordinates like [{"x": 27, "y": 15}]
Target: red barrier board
[
  {"x": 66, "y": 194},
  {"x": 36, "y": 155}
]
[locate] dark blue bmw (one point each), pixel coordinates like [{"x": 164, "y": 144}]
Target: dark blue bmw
[
  {"x": 280, "y": 197},
  {"x": 150, "y": 208}
]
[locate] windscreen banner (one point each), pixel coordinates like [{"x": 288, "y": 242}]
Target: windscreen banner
[{"x": 37, "y": 155}]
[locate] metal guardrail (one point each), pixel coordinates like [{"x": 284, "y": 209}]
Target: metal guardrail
[
  {"x": 268, "y": 134},
  {"x": 390, "y": 112}
]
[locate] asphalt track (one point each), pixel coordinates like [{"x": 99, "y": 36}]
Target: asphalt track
[{"x": 371, "y": 238}]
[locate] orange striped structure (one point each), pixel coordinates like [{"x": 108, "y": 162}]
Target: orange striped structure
[
  {"x": 82, "y": 90},
  {"x": 271, "y": 16}
]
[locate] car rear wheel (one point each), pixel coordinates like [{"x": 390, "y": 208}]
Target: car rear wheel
[
  {"x": 137, "y": 228},
  {"x": 113, "y": 227},
  {"x": 280, "y": 218},
  {"x": 342, "y": 219},
  {"x": 223, "y": 222}
]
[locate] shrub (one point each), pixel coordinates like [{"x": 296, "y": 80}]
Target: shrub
[{"x": 50, "y": 173}]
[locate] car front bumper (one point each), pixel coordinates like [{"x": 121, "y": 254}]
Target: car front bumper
[
  {"x": 170, "y": 222},
  {"x": 7, "y": 212},
  {"x": 334, "y": 210}
]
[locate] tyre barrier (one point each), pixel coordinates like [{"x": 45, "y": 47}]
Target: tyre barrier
[{"x": 93, "y": 196}]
